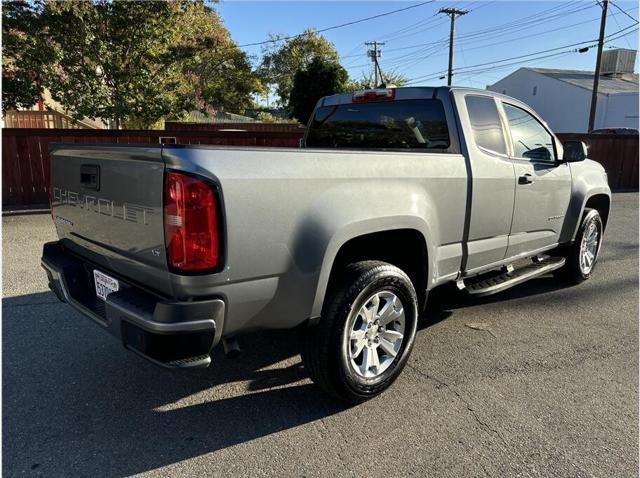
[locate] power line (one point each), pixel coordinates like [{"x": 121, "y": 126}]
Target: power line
[
  {"x": 519, "y": 22},
  {"x": 502, "y": 42},
  {"x": 619, "y": 26},
  {"x": 609, "y": 38},
  {"x": 555, "y": 55},
  {"x": 431, "y": 22},
  {"x": 548, "y": 50},
  {"x": 625, "y": 12},
  {"x": 529, "y": 54},
  {"x": 496, "y": 31},
  {"x": 499, "y": 30},
  {"x": 560, "y": 54},
  {"x": 506, "y": 59},
  {"x": 439, "y": 75},
  {"x": 407, "y": 31},
  {"x": 620, "y": 36},
  {"x": 419, "y": 27},
  {"x": 393, "y": 35},
  {"x": 494, "y": 62},
  {"x": 563, "y": 27},
  {"x": 425, "y": 49},
  {"x": 334, "y": 27},
  {"x": 399, "y": 48}
]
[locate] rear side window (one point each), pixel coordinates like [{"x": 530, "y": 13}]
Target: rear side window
[
  {"x": 400, "y": 124},
  {"x": 485, "y": 123}
]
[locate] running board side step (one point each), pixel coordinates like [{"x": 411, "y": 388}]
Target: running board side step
[{"x": 507, "y": 279}]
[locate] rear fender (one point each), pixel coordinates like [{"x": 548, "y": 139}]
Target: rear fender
[{"x": 345, "y": 218}]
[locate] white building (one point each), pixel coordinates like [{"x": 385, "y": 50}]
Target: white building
[{"x": 563, "y": 97}]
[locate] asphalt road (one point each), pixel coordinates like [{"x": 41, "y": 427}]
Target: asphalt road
[{"x": 541, "y": 380}]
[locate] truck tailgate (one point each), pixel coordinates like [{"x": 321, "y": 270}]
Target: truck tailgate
[{"x": 107, "y": 208}]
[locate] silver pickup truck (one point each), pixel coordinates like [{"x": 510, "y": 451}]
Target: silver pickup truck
[{"x": 176, "y": 248}]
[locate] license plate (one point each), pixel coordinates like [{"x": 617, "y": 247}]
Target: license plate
[{"x": 105, "y": 284}]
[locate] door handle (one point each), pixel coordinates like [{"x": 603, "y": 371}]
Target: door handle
[{"x": 526, "y": 179}]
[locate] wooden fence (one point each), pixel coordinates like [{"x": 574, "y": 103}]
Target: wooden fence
[
  {"x": 43, "y": 119},
  {"x": 255, "y": 126},
  {"x": 26, "y": 167},
  {"x": 25, "y": 153},
  {"x": 617, "y": 153}
]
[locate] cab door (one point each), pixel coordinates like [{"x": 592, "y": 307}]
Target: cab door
[
  {"x": 543, "y": 184},
  {"x": 492, "y": 180}
]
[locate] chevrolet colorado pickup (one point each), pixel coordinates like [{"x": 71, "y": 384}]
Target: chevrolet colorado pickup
[{"x": 176, "y": 248}]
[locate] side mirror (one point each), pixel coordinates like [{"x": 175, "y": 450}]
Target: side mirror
[{"x": 574, "y": 151}]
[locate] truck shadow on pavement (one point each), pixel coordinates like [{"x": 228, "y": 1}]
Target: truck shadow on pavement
[
  {"x": 76, "y": 403},
  {"x": 445, "y": 300}
]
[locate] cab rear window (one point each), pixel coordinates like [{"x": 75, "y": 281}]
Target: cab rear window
[{"x": 400, "y": 124}]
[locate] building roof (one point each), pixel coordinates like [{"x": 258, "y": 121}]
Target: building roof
[
  {"x": 608, "y": 85},
  {"x": 217, "y": 117}
]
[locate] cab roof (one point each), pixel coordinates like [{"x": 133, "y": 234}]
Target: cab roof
[{"x": 405, "y": 93}]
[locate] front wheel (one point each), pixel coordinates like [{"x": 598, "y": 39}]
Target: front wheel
[
  {"x": 366, "y": 332},
  {"x": 582, "y": 255}
]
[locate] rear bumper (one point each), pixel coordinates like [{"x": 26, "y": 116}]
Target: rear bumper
[{"x": 171, "y": 334}]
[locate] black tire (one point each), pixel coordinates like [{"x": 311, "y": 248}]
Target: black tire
[
  {"x": 324, "y": 349},
  {"x": 572, "y": 272}
]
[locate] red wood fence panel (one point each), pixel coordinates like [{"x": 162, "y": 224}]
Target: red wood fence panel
[
  {"x": 263, "y": 127},
  {"x": 25, "y": 152},
  {"x": 26, "y": 164},
  {"x": 617, "y": 153},
  {"x": 11, "y": 184}
]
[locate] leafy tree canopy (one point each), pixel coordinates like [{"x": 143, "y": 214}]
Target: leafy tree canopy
[
  {"x": 137, "y": 62},
  {"x": 320, "y": 78},
  {"x": 266, "y": 117},
  {"x": 281, "y": 60},
  {"x": 25, "y": 56},
  {"x": 368, "y": 81}
]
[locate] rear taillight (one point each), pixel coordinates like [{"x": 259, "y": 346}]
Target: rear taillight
[{"x": 191, "y": 223}]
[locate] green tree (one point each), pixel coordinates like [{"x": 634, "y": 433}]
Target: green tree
[
  {"x": 266, "y": 117},
  {"x": 281, "y": 60},
  {"x": 26, "y": 56},
  {"x": 221, "y": 73},
  {"x": 320, "y": 78},
  {"x": 367, "y": 81},
  {"x": 138, "y": 62}
]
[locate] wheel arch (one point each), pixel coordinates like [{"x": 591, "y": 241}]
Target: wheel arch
[
  {"x": 589, "y": 189},
  {"x": 598, "y": 198},
  {"x": 406, "y": 247},
  {"x": 601, "y": 203}
]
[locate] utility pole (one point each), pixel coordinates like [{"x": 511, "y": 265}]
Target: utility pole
[
  {"x": 596, "y": 75},
  {"x": 452, "y": 12},
  {"x": 374, "y": 54}
]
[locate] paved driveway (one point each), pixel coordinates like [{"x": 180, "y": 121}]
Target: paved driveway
[{"x": 541, "y": 380}]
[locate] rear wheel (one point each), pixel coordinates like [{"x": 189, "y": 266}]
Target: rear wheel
[
  {"x": 366, "y": 333},
  {"x": 582, "y": 255}
]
